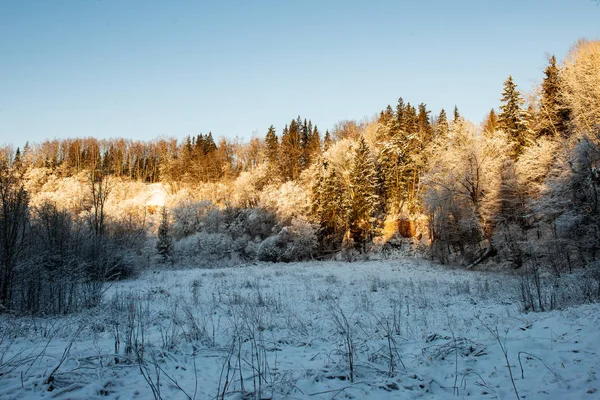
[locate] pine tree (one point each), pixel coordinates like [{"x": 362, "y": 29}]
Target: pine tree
[
  {"x": 513, "y": 119},
  {"x": 441, "y": 125},
  {"x": 491, "y": 123},
  {"x": 272, "y": 147},
  {"x": 554, "y": 115},
  {"x": 327, "y": 141},
  {"x": 386, "y": 115},
  {"x": 457, "y": 116},
  {"x": 363, "y": 202},
  {"x": 400, "y": 120},
  {"x": 305, "y": 137},
  {"x": 315, "y": 145},
  {"x": 291, "y": 151},
  {"x": 328, "y": 206},
  {"x": 164, "y": 243},
  {"x": 17, "y": 160},
  {"x": 411, "y": 120},
  {"x": 424, "y": 125},
  {"x": 209, "y": 144}
]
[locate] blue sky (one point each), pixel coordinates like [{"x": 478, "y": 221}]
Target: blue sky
[{"x": 143, "y": 69}]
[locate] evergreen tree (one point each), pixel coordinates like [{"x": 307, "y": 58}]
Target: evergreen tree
[
  {"x": 400, "y": 120},
  {"x": 363, "y": 202},
  {"x": 17, "y": 160},
  {"x": 513, "y": 119},
  {"x": 386, "y": 115},
  {"x": 209, "y": 144},
  {"x": 456, "y": 115},
  {"x": 554, "y": 115},
  {"x": 272, "y": 147},
  {"x": 411, "y": 120},
  {"x": 490, "y": 124},
  {"x": 441, "y": 125},
  {"x": 305, "y": 137},
  {"x": 199, "y": 147},
  {"x": 164, "y": 243},
  {"x": 424, "y": 125},
  {"x": 315, "y": 145},
  {"x": 328, "y": 207},
  {"x": 327, "y": 141},
  {"x": 291, "y": 151}
]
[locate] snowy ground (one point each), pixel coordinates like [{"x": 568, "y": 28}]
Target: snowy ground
[{"x": 408, "y": 328}]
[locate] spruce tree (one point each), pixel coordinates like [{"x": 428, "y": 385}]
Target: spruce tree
[
  {"x": 363, "y": 199},
  {"x": 272, "y": 149},
  {"x": 411, "y": 120},
  {"x": 441, "y": 125},
  {"x": 327, "y": 140},
  {"x": 164, "y": 243},
  {"x": 291, "y": 151},
  {"x": 513, "y": 119},
  {"x": 315, "y": 145},
  {"x": 386, "y": 115},
  {"x": 554, "y": 115},
  {"x": 328, "y": 206},
  {"x": 490, "y": 125},
  {"x": 305, "y": 136},
  {"x": 424, "y": 125},
  {"x": 400, "y": 120},
  {"x": 457, "y": 116},
  {"x": 209, "y": 144}
]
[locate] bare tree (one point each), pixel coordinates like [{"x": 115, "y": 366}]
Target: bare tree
[
  {"x": 100, "y": 188},
  {"x": 14, "y": 217}
]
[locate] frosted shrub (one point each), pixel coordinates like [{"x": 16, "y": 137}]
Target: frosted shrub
[
  {"x": 253, "y": 222},
  {"x": 206, "y": 249},
  {"x": 302, "y": 240},
  {"x": 287, "y": 201},
  {"x": 271, "y": 248},
  {"x": 247, "y": 187},
  {"x": 293, "y": 243},
  {"x": 188, "y": 217}
]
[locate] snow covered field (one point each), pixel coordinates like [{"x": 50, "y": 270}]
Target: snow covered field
[{"x": 398, "y": 329}]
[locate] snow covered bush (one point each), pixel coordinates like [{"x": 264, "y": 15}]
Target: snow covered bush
[
  {"x": 295, "y": 242},
  {"x": 247, "y": 187},
  {"x": 252, "y": 222},
  {"x": 188, "y": 217},
  {"x": 287, "y": 201},
  {"x": 206, "y": 249}
]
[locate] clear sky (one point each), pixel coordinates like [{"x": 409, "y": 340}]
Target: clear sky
[{"x": 143, "y": 69}]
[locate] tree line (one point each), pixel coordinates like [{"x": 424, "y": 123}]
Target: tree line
[{"x": 521, "y": 188}]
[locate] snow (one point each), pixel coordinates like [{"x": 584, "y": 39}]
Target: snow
[{"x": 292, "y": 323}]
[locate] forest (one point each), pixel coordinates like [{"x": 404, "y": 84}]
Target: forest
[{"x": 518, "y": 191}]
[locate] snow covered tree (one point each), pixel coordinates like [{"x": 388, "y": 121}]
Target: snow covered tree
[
  {"x": 100, "y": 188},
  {"x": 424, "y": 125},
  {"x": 461, "y": 188},
  {"x": 554, "y": 115},
  {"x": 314, "y": 146},
  {"x": 272, "y": 150},
  {"x": 328, "y": 206},
  {"x": 363, "y": 201},
  {"x": 327, "y": 141},
  {"x": 457, "y": 116},
  {"x": 441, "y": 125},
  {"x": 164, "y": 242},
  {"x": 490, "y": 124},
  {"x": 581, "y": 82},
  {"x": 513, "y": 118},
  {"x": 291, "y": 151}
]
